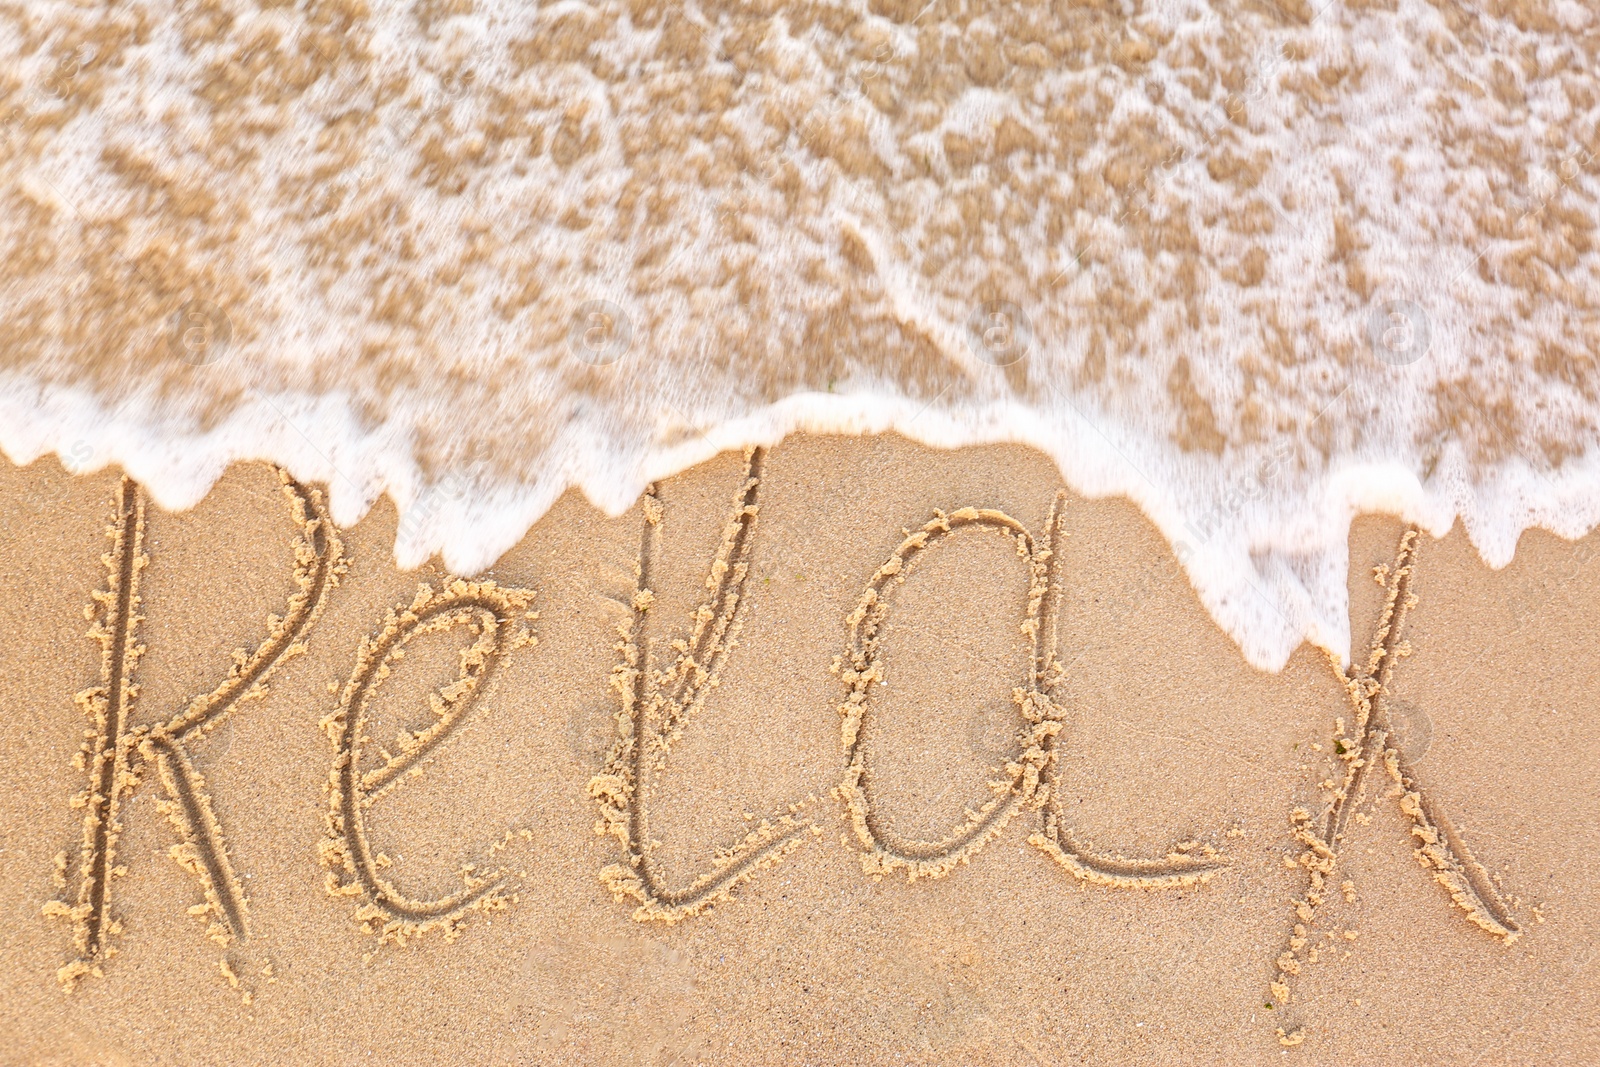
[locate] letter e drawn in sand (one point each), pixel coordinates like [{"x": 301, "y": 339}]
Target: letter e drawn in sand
[
  {"x": 655, "y": 706},
  {"x": 116, "y": 753},
  {"x": 1028, "y": 781},
  {"x": 501, "y": 621},
  {"x": 1440, "y": 849}
]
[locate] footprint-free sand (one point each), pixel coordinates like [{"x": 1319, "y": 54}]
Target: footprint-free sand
[{"x": 842, "y": 751}]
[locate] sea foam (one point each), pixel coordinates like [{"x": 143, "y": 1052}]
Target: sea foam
[{"x": 1257, "y": 267}]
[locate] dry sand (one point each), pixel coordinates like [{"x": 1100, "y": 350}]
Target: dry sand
[{"x": 340, "y": 871}]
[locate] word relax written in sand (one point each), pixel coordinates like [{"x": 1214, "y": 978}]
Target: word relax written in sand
[{"x": 656, "y": 701}]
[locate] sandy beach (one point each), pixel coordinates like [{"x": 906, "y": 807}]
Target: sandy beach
[
  {"x": 848, "y": 532},
  {"x": 842, "y": 773}
]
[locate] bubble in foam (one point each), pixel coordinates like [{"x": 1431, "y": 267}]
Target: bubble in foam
[{"x": 1256, "y": 275}]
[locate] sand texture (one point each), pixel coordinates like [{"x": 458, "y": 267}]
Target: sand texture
[
  {"x": 841, "y": 751},
  {"x": 1256, "y": 265}
]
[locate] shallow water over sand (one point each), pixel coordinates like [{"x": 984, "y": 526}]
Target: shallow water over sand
[{"x": 1256, "y": 267}]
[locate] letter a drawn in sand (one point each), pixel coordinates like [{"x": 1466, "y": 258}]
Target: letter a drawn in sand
[
  {"x": 1029, "y": 780},
  {"x": 117, "y": 752},
  {"x": 655, "y": 706},
  {"x": 1440, "y": 849},
  {"x": 502, "y": 622}
]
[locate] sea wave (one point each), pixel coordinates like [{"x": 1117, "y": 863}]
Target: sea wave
[{"x": 1257, "y": 266}]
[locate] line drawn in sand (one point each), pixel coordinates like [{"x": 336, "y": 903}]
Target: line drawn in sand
[
  {"x": 501, "y": 621},
  {"x": 1028, "y": 780},
  {"x": 108, "y": 750},
  {"x": 319, "y": 562},
  {"x": 116, "y": 753},
  {"x": 656, "y": 704},
  {"x": 1440, "y": 848}
]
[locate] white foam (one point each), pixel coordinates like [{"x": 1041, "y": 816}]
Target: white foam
[
  {"x": 1269, "y": 566},
  {"x": 1206, "y": 213}
]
